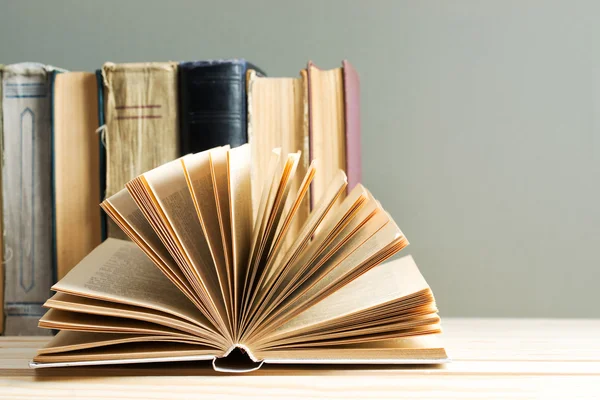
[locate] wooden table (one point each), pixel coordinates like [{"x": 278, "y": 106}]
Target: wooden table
[{"x": 492, "y": 358}]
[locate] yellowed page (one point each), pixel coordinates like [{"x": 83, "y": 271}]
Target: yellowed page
[
  {"x": 387, "y": 282},
  {"x": 268, "y": 193},
  {"x": 140, "y": 351},
  {"x": 125, "y": 208},
  {"x": 280, "y": 244},
  {"x": 333, "y": 268},
  {"x": 67, "y": 302},
  {"x": 332, "y": 223},
  {"x": 273, "y": 220},
  {"x": 428, "y": 347},
  {"x": 417, "y": 330},
  {"x": 285, "y": 236},
  {"x": 410, "y": 326},
  {"x": 172, "y": 194},
  {"x": 219, "y": 174},
  {"x": 336, "y": 187},
  {"x": 283, "y": 261},
  {"x": 67, "y": 320},
  {"x": 240, "y": 195},
  {"x": 319, "y": 274},
  {"x": 65, "y": 341},
  {"x": 119, "y": 271},
  {"x": 279, "y": 203},
  {"x": 422, "y": 307},
  {"x": 269, "y": 187},
  {"x": 199, "y": 178},
  {"x": 371, "y": 246},
  {"x": 148, "y": 204}
]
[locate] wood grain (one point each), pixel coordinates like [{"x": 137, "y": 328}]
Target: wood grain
[{"x": 492, "y": 358}]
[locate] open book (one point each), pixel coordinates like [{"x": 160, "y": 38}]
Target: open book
[{"x": 201, "y": 279}]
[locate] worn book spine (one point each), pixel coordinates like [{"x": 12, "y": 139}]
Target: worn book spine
[
  {"x": 213, "y": 104},
  {"x": 76, "y": 162},
  {"x": 140, "y": 108},
  {"x": 27, "y": 196}
]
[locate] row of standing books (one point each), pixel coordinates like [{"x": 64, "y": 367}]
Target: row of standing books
[{"x": 71, "y": 139}]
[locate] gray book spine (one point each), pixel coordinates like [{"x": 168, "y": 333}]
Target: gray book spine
[{"x": 27, "y": 196}]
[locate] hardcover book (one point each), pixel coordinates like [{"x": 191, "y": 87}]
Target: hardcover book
[
  {"x": 76, "y": 155},
  {"x": 213, "y": 104},
  {"x": 26, "y": 195},
  {"x": 202, "y": 280},
  {"x": 278, "y": 118},
  {"x": 142, "y": 126},
  {"x": 334, "y": 124}
]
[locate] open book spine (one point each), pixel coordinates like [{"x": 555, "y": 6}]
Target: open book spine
[{"x": 27, "y": 197}]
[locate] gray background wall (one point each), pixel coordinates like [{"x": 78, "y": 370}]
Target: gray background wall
[{"x": 481, "y": 119}]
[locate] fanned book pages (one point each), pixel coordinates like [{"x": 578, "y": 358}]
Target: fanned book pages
[{"x": 201, "y": 279}]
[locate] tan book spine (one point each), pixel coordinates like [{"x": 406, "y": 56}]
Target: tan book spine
[
  {"x": 278, "y": 118},
  {"x": 76, "y": 168},
  {"x": 327, "y": 128},
  {"x": 141, "y": 122}
]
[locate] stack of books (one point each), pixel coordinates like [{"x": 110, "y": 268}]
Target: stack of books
[{"x": 269, "y": 253}]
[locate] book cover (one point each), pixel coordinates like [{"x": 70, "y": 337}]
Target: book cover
[
  {"x": 140, "y": 108},
  {"x": 27, "y": 196},
  {"x": 213, "y": 103}
]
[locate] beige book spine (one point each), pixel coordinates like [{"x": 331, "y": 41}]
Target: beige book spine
[
  {"x": 326, "y": 126},
  {"x": 76, "y": 168},
  {"x": 141, "y": 122},
  {"x": 278, "y": 118}
]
